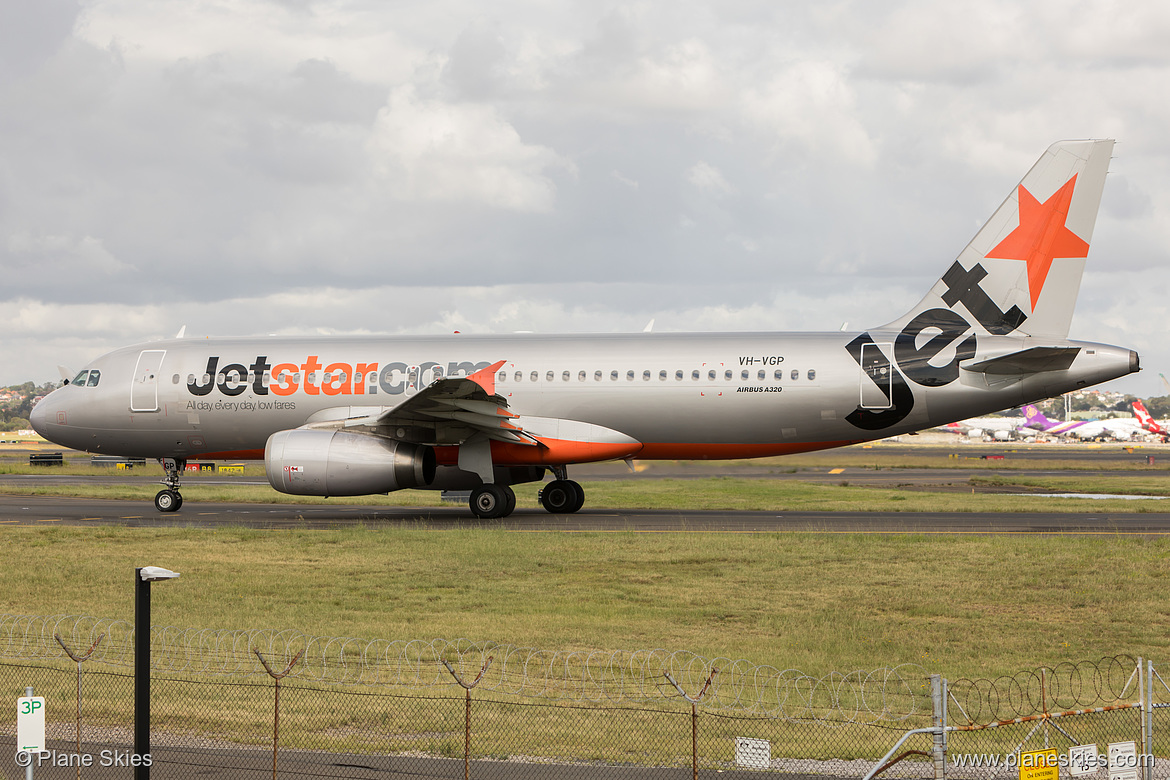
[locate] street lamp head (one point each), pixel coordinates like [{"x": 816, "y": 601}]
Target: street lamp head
[{"x": 152, "y": 573}]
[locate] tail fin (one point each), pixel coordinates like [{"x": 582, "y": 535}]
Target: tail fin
[
  {"x": 1035, "y": 419},
  {"x": 1022, "y": 271},
  {"x": 1145, "y": 419}
]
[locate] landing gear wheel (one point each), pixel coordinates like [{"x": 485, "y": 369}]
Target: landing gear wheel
[
  {"x": 491, "y": 501},
  {"x": 562, "y": 496},
  {"x": 167, "y": 501}
]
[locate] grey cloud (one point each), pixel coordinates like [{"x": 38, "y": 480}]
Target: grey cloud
[{"x": 31, "y": 32}]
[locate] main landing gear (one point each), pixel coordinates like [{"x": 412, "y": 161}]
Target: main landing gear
[
  {"x": 169, "y": 499},
  {"x": 492, "y": 501},
  {"x": 562, "y": 496}
]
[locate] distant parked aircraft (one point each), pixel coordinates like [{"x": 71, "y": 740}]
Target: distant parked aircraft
[
  {"x": 1148, "y": 423},
  {"x": 1120, "y": 429},
  {"x": 998, "y": 428}
]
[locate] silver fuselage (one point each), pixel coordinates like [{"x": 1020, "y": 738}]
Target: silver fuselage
[{"x": 724, "y": 395}]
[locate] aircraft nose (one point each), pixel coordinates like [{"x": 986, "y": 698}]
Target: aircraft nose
[{"x": 42, "y": 416}]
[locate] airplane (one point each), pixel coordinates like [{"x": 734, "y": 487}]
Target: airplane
[
  {"x": 343, "y": 416},
  {"x": 997, "y": 428},
  {"x": 1119, "y": 429},
  {"x": 1147, "y": 421}
]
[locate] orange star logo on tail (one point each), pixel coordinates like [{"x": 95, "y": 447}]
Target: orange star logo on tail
[{"x": 1041, "y": 236}]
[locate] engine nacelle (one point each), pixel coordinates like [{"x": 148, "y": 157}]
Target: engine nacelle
[{"x": 336, "y": 463}]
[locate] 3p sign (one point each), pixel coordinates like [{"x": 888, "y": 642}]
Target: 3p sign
[{"x": 30, "y": 724}]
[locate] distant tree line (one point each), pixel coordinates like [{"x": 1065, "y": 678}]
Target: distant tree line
[{"x": 14, "y": 414}]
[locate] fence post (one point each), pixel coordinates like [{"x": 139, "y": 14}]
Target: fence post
[
  {"x": 80, "y": 659},
  {"x": 276, "y": 700},
  {"x": 938, "y": 721},
  {"x": 694, "y": 717},
  {"x": 1148, "y": 721},
  {"x": 467, "y": 711}
]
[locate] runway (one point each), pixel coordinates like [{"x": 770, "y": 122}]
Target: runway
[
  {"x": 954, "y": 467},
  {"x": 48, "y": 510}
]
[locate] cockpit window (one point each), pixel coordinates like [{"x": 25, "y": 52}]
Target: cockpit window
[
  {"x": 80, "y": 378},
  {"x": 94, "y": 378}
]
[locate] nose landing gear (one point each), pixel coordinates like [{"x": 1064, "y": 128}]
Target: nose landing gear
[{"x": 169, "y": 499}]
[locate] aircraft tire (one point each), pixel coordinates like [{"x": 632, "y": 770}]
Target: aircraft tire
[
  {"x": 167, "y": 501},
  {"x": 489, "y": 502},
  {"x": 510, "y": 495},
  {"x": 562, "y": 496},
  {"x": 579, "y": 498}
]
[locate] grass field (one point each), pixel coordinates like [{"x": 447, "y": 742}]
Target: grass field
[{"x": 964, "y": 606}]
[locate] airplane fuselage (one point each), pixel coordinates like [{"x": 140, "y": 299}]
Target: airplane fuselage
[{"x": 727, "y": 395}]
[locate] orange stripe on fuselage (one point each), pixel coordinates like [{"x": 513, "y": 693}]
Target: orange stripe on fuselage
[
  {"x": 558, "y": 452},
  {"x": 563, "y": 452}
]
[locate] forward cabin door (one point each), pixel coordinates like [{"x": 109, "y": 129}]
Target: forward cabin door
[{"x": 144, "y": 386}]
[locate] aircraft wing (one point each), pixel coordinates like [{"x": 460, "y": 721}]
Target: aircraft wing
[
  {"x": 446, "y": 412},
  {"x": 451, "y": 411}
]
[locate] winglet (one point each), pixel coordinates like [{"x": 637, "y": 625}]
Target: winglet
[{"x": 486, "y": 377}]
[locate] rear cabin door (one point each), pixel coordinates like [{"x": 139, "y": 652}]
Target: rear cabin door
[
  {"x": 876, "y": 376},
  {"x": 144, "y": 387}
]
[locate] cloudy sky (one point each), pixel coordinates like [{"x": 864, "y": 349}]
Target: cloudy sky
[{"x": 362, "y": 166}]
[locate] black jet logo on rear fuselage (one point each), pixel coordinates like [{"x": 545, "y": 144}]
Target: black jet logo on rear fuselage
[{"x": 912, "y": 360}]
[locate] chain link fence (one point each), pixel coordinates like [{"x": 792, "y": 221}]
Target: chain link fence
[{"x": 251, "y": 704}]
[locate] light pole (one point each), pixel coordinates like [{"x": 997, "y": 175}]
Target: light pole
[{"x": 143, "y": 576}]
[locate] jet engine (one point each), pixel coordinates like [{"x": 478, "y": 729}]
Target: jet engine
[{"x": 335, "y": 463}]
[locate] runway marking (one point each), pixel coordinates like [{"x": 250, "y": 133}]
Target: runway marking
[
  {"x": 9, "y": 522},
  {"x": 48, "y": 519},
  {"x": 836, "y": 471},
  {"x": 91, "y": 518}
]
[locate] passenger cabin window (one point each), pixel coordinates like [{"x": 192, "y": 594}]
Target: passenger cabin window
[
  {"x": 662, "y": 375},
  {"x": 795, "y": 374},
  {"x": 711, "y": 374},
  {"x": 695, "y": 374},
  {"x": 727, "y": 375},
  {"x": 630, "y": 376},
  {"x": 678, "y": 374},
  {"x": 613, "y": 376},
  {"x": 646, "y": 375},
  {"x": 779, "y": 374},
  {"x": 761, "y": 375},
  {"x": 534, "y": 376},
  {"x": 519, "y": 376},
  {"x": 503, "y": 377},
  {"x": 743, "y": 374},
  {"x": 580, "y": 376},
  {"x": 548, "y": 377},
  {"x": 596, "y": 376},
  {"x": 812, "y": 374},
  {"x": 565, "y": 376}
]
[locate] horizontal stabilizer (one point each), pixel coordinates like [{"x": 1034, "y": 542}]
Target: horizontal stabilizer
[{"x": 1029, "y": 361}]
